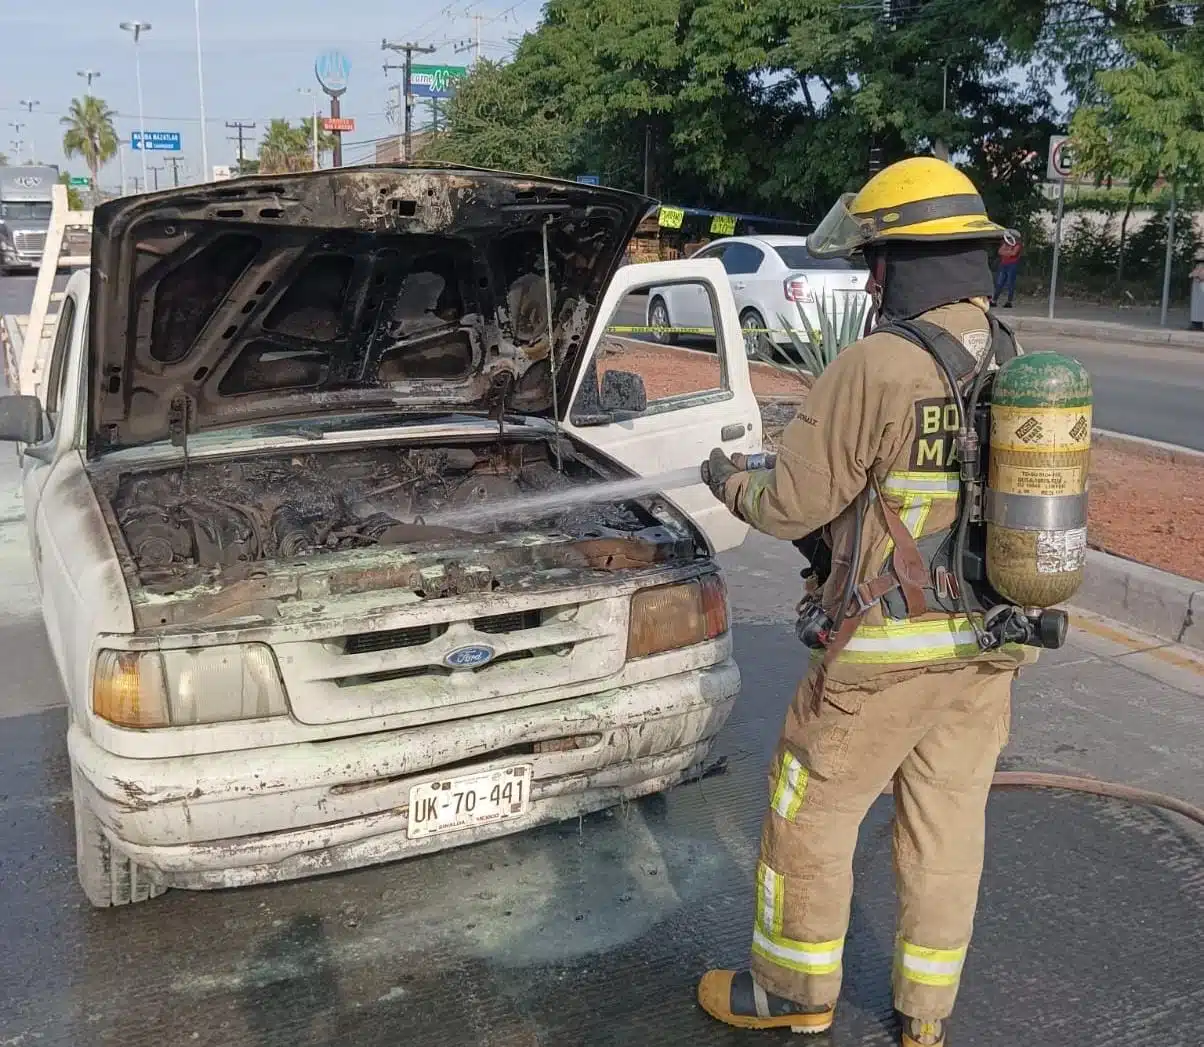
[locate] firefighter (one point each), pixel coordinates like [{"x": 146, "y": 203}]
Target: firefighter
[{"x": 896, "y": 693}]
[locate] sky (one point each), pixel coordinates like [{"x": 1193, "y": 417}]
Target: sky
[{"x": 257, "y": 57}]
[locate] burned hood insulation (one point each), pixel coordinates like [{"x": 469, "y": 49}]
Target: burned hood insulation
[{"x": 384, "y": 287}]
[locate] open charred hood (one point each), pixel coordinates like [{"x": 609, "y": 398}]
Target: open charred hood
[{"x": 364, "y": 288}]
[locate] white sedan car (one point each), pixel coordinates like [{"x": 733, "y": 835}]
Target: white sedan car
[{"x": 771, "y": 277}]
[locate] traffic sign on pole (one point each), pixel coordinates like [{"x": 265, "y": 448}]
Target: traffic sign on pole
[
  {"x": 156, "y": 141},
  {"x": 80, "y": 182},
  {"x": 1061, "y": 157}
]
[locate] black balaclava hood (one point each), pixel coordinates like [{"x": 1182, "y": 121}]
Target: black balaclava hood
[{"x": 921, "y": 276}]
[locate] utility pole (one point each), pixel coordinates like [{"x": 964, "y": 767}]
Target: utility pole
[
  {"x": 28, "y": 105},
  {"x": 409, "y": 49},
  {"x": 175, "y": 171},
  {"x": 19, "y": 143},
  {"x": 156, "y": 168},
  {"x": 239, "y": 126},
  {"x": 394, "y": 109}
]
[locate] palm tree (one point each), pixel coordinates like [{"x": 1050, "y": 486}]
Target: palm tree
[
  {"x": 285, "y": 148},
  {"x": 90, "y": 134}
]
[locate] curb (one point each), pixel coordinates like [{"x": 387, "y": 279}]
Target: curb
[
  {"x": 1108, "y": 332},
  {"x": 1176, "y": 454},
  {"x": 1165, "y": 605}
]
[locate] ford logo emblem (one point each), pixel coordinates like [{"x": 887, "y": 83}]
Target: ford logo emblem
[{"x": 469, "y": 657}]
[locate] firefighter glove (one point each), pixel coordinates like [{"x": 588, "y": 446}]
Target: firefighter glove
[{"x": 716, "y": 471}]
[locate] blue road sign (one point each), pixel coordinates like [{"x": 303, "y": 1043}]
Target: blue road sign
[
  {"x": 332, "y": 68},
  {"x": 156, "y": 141},
  {"x": 589, "y": 179}
]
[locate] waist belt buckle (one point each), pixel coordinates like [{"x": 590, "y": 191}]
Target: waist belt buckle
[{"x": 860, "y": 604}]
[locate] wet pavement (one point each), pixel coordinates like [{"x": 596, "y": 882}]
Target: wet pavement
[{"x": 594, "y": 932}]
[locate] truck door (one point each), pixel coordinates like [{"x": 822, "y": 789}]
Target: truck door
[
  {"x": 59, "y": 411},
  {"x": 695, "y": 400}
]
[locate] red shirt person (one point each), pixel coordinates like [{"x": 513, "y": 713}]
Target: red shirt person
[{"x": 1009, "y": 262}]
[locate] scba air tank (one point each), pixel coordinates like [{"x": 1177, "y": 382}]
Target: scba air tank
[{"x": 1036, "y": 498}]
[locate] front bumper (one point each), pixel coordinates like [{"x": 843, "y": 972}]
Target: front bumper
[{"x": 298, "y": 810}]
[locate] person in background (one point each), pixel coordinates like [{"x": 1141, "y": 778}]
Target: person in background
[{"x": 1009, "y": 262}]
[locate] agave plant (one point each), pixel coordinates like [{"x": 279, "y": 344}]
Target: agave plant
[{"x": 836, "y": 331}]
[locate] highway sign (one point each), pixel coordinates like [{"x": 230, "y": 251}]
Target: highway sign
[
  {"x": 332, "y": 68},
  {"x": 79, "y": 182},
  {"x": 157, "y": 141},
  {"x": 435, "y": 81},
  {"x": 589, "y": 179},
  {"x": 338, "y": 123},
  {"x": 1061, "y": 157}
]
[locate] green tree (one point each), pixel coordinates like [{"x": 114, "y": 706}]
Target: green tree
[
  {"x": 1147, "y": 119},
  {"x": 498, "y": 120},
  {"x": 286, "y": 148},
  {"x": 90, "y": 134},
  {"x": 74, "y": 200}
]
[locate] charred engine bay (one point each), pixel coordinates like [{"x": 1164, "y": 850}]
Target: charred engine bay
[{"x": 220, "y": 521}]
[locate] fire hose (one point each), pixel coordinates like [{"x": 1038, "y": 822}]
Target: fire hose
[{"x": 1093, "y": 786}]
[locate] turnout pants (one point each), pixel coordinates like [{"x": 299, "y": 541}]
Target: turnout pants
[{"x": 937, "y": 735}]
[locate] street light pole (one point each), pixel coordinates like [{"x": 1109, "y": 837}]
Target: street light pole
[
  {"x": 89, "y": 75},
  {"x": 138, "y": 28},
  {"x": 200, "y": 84}
]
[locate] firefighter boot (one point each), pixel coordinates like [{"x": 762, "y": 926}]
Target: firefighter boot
[
  {"x": 921, "y": 1032},
  {"x": 734, "y": 998}
]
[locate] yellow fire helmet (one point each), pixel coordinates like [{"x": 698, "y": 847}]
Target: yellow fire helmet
[{"x": 921, "y": 198}]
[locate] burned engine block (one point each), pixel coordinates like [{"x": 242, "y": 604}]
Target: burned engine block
[{"x": 215, "y": 515}]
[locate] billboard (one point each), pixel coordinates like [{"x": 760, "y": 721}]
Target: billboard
[{"x": 435, "y": 81}]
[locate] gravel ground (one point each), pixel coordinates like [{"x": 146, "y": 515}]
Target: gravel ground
[{"x": 1142, "y": 506}]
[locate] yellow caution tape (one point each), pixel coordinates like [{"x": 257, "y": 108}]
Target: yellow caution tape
[{"x": 634, "y": 329}]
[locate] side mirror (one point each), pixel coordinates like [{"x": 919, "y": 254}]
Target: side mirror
[
  {"x": 623, "y": 391},
  {"x": 20, "y": 419}
]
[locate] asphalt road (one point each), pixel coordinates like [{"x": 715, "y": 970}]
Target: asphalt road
[
  {"x": 593, "y": 933},
  {"x": 1149, "y": 391}
]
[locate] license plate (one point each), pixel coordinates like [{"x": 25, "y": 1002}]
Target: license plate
[{"x": 453, "y": 804}]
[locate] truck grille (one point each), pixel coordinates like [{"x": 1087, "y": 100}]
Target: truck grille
[
  {"x": 29, "y": 242},
  {"x": 362, "y": 643},
  {"x": 401, "y": 669}
]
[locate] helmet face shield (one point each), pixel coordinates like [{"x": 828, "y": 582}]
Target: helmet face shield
[{"x": 841, "y": 233}]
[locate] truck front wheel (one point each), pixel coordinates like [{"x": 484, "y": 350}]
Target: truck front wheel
[{"x": 107, "y": 876}]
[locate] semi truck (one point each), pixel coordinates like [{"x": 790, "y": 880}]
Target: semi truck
[{"x": 26, "y": 202}]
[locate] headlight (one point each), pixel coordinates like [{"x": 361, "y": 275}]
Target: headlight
[
  {"x": 194, "y": 685},
  {"x": 666, "y": 617}
]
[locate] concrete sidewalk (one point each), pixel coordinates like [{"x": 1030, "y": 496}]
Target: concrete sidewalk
[{"x": 1137, "y": 324}]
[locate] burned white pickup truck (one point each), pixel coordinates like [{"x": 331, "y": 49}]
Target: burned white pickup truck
[{"x": 258, "y": 455}]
